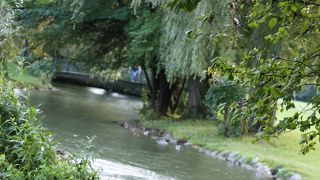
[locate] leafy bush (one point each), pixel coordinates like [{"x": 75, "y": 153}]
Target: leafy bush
[
  {"x": 219, "y": 100},
  {"x": 146, "y": 112},
  {"x": 41, "y": 68},
  {"x": 27, "y": 149}
]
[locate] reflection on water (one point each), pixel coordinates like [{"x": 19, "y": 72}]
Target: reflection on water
[{"x": 74, "y": 112}]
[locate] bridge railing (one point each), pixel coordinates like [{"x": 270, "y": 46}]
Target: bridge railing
[{"x": 80, "y": 68}]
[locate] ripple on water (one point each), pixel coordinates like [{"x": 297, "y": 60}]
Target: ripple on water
[
  {"x": 118, "y": 171},
  {"x": 97, "y": 91}
]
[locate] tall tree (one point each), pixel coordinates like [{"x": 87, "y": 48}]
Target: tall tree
[
  {"x": 143, "y": 49},
  {"x": 93, "y": 31},
  {"x": 185, "y": 51}
]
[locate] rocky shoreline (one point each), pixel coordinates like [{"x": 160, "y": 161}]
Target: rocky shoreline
[{"x": 233, "y": 157}]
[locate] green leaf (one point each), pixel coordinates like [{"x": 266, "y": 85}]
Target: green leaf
[
  {"x": 268, "y": 37},
  {"x": 294, "y": 8},
  {"x": 289, "y": 106},
  {"x": 273, "y": 22},
  {"x": 282, "y": 4},
  {"x": 253, "y": 25},
  {"x": 2, "y": 157}
]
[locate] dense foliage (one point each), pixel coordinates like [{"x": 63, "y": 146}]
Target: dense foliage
[
  {"x": 27, "y": 149},
  {"x": 88, "y": 31},
  {"x": 278, "y": 76},
  {"x": 293, "y": 27},
  {"x": 219, "y": 99},
  {"x": 143, "y": 38}
]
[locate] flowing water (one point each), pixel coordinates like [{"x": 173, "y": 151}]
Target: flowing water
[{"x": 74, "y": 113}]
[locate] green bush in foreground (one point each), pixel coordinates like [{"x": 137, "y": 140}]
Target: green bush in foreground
[
  {"x": 26, "y": 148},
  {"x": 219, "y": 99}
]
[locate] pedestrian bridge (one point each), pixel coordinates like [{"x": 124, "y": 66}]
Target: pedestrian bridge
[{"x": 76, "y": 73}]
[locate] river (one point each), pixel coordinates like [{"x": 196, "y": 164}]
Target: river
[{"x": 74, "y": 113}]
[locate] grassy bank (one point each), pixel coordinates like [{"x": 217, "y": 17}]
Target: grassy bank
[
  {"x": 24, "y": 78},
  {"x": 283, "y": 150}
]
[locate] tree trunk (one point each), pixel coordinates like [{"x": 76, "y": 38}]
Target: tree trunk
[
  {"x": 154, "y": 90},
  {"x": 176, "y": 94},
  {"x": 147, "y": 78},
  {"x": 197, "y": 91},
  {"x": 25, "y": 51},
  {"x": 226, "y": 121},
  {"x": 165, "y": 93}
]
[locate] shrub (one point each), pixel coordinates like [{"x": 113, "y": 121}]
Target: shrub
[
  {"x": 219, "y": 99},
  {"x": 41, "y": 68},
  {"x": 27, "y": 149}
]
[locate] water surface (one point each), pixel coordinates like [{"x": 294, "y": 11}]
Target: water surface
[{"x": 74, "y": 113}]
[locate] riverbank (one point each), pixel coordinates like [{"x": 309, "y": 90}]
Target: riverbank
[
  {"x": 24, "y": 79},
  {"x": 279, "y": 153}
]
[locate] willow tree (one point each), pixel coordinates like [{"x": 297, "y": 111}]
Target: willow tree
[
  {"x": 144, "y": 33},
  {"x": 186, "y": 46}
]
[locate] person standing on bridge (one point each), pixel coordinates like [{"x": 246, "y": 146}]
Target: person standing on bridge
[{"x": 135, "y": 73}]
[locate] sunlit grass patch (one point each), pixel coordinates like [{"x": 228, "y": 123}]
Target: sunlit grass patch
[
  {"x": 280, "y": 151},
  {"x": 24, "y": 78}
]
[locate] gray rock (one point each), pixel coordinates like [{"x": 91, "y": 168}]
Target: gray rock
[
  {"x": 207, "y": 152},
  {"x": 167, "y": 136},
  {"x": 232, "y": 156},
  {"x": 222, "y": 156},
  {"x": 162, "y": 142},
  {"x": 200, "y": 149},
  {"x": 237, "y": 161},
  {"x": 262, "y": 170},
  {"x": 146, "y": 133},
  {"x": 214, "y": 154},
  {"x": 195, "y": 147},
  {"x": 154, "y": 132},
  {"x": 156, "y": 138},
  {"x": 173, "y": 142},
  {"x": 247, "y": 167},
  {"x": 254, "y": 161},
  {"x": 187, "y": 144},
  {"x": 53, "y": 89},
  {"x": 169, "y": 139},
  {"x": 124, "y": 124},
  {"x": 178, "y": 147},
  {"x": 242, "y": 160},
  {"x": 135, "y": 130},
  {"x": 295, "y": 177}
]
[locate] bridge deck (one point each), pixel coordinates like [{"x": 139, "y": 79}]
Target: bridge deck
[{"x": 122, "y": 86}]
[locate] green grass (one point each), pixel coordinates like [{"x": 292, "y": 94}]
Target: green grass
[
  {"x": 281, "y": 151},
  {"x": 24, "y": 78}
]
